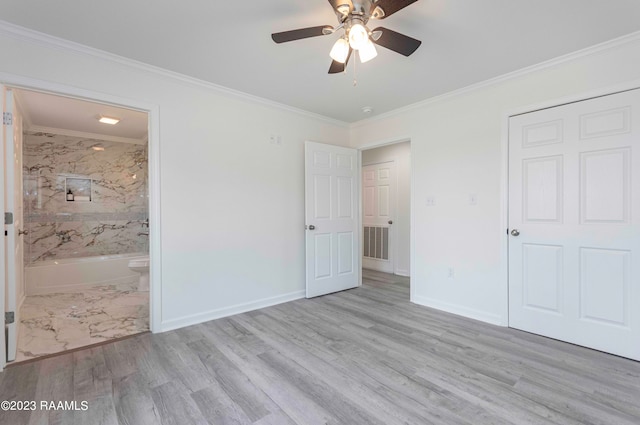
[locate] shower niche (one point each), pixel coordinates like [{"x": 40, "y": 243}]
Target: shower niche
[{"x": 77, "y": 189}]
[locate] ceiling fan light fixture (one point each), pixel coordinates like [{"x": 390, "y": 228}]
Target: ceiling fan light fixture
[
  {"x": 340, "y": 50},
  {"x": 367, "y": 52},
  {"x": 358, "y": 36}
]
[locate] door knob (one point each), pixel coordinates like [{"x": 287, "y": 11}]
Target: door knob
[
  {"x": 312, "y": 227},
  {"x": 22, "y": 232},
  {"x": 515, "y": 232},
  {"x": 390, "y": 221}
]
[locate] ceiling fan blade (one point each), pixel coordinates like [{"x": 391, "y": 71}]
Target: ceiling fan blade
[
  {"x": 337, "y": 67},
  {"x": 283, "y": 37},
  {"x": 392, "y": 6},
  {"x": 397, "y": 42}
]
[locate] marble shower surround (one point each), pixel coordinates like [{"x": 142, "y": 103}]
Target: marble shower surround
[{"x": 109, "y": 223}]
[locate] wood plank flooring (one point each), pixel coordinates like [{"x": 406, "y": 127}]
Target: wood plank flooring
[{"x": 364, "y": 356}]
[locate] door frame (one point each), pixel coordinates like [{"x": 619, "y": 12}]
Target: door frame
[
  {"x": 504, "y": 172},
  {"x": 153, "y": 144},
  {"x": 379, "y": 144}
]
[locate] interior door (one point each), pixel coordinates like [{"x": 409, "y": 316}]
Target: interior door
[
  {"x": 12, "y": 140},
  {"x": 331, "y": 208},
  {"x": 574, "y": 222},
  {"x": 378, "y": 200}
]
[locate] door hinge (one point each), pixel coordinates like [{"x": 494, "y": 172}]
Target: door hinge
[
  {"x": 7, "y": 118},
  {"x": 8, "y": 218},
  {"x": 9, "y": 317}
]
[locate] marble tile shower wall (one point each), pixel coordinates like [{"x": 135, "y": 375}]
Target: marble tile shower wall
[{"x": 109, "y": 184}]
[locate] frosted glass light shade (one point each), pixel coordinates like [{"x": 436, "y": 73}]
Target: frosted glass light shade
[
  {"x": 340, "y": 51},
  {"x": 358, "y": 37},
  {"x": 367, "y": 52}
]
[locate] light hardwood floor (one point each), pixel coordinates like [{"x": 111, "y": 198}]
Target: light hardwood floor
[{"x": 364, "y": 356}]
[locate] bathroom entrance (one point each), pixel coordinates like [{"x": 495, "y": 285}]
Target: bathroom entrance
[{"x": 81, "y": 222}]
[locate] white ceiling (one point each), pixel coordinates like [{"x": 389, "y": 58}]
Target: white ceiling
[
  {"x": 228, "y": 43},
  {"x": 45, "y": 111}
]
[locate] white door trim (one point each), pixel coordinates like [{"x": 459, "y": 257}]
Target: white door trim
[
  {"x": 3, "y": 351},
  {"x": 378, "y": 144},
  {"x": 504, "y": 172},
  {"x": 153, "y": 111}
]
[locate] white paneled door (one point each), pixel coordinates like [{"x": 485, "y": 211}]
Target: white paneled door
[
  {"x": 574, "y": 223},
  {"x": 331, "y": 208},
  {"x": 378, "y": 204},
  {"x": 13, "y": 245}
]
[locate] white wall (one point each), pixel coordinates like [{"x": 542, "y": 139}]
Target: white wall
[
  {"x": 232, "y": 214},
  {"x": 456, "y": 151},
  {"x": 400, "y": 153},
  {"x": 232, "y": 204}
]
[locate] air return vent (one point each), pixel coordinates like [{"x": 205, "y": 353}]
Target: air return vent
[{"x": 376, "y": 242}]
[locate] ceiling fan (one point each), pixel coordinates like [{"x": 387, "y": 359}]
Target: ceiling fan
[{"x": 353, "y": 16}]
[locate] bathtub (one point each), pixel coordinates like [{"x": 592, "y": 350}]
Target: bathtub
[{"x": 78, "y": 274}]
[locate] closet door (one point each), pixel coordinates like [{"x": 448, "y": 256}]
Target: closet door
[{"x": 574, "y": 223}]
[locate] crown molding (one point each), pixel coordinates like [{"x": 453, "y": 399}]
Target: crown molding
[
  {"x": 588, "y": 51},
  {"x": 85, "y": 135},
  {"x": 35, "y": 37}
]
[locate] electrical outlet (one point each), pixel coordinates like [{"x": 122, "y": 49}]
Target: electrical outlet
[
  {"x": 451, "y": 273},
  {"x": 430, "y": 201},
  {"x": 473, "y": 199}
]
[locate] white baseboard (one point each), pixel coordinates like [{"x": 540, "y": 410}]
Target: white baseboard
[
  {"x": 377, "y": 265},
  {"x": 483, "y": 316},
  {"x": 206, "y": 316},
  {"x": 403, "y": 273}
]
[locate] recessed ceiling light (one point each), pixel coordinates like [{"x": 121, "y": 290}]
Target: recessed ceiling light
[
  {"x": 109, "y": 120},
  {"x": 367, "y": 110},
  {"x": 97, "y": 148}
]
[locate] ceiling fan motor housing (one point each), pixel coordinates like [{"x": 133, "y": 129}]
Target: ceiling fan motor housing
[{"x": 346, "y": 10}]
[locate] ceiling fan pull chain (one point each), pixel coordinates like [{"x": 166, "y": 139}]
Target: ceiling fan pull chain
[{"x": 355, "y": 77}]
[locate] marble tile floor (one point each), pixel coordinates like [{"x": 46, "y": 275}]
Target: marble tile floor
[{"x": 54, "y": 323}]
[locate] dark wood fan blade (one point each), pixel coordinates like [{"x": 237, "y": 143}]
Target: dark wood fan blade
[
  {"x": 337, "y": 67},
  {"x": 392, "y": 6},
  {"x": 397, "y": 42},
  {"x": 283, "y": 37}
]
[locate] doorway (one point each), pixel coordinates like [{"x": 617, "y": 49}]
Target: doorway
[
  {"x": 386, "y": 209},
  {"x": 85, "y": 197}
]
